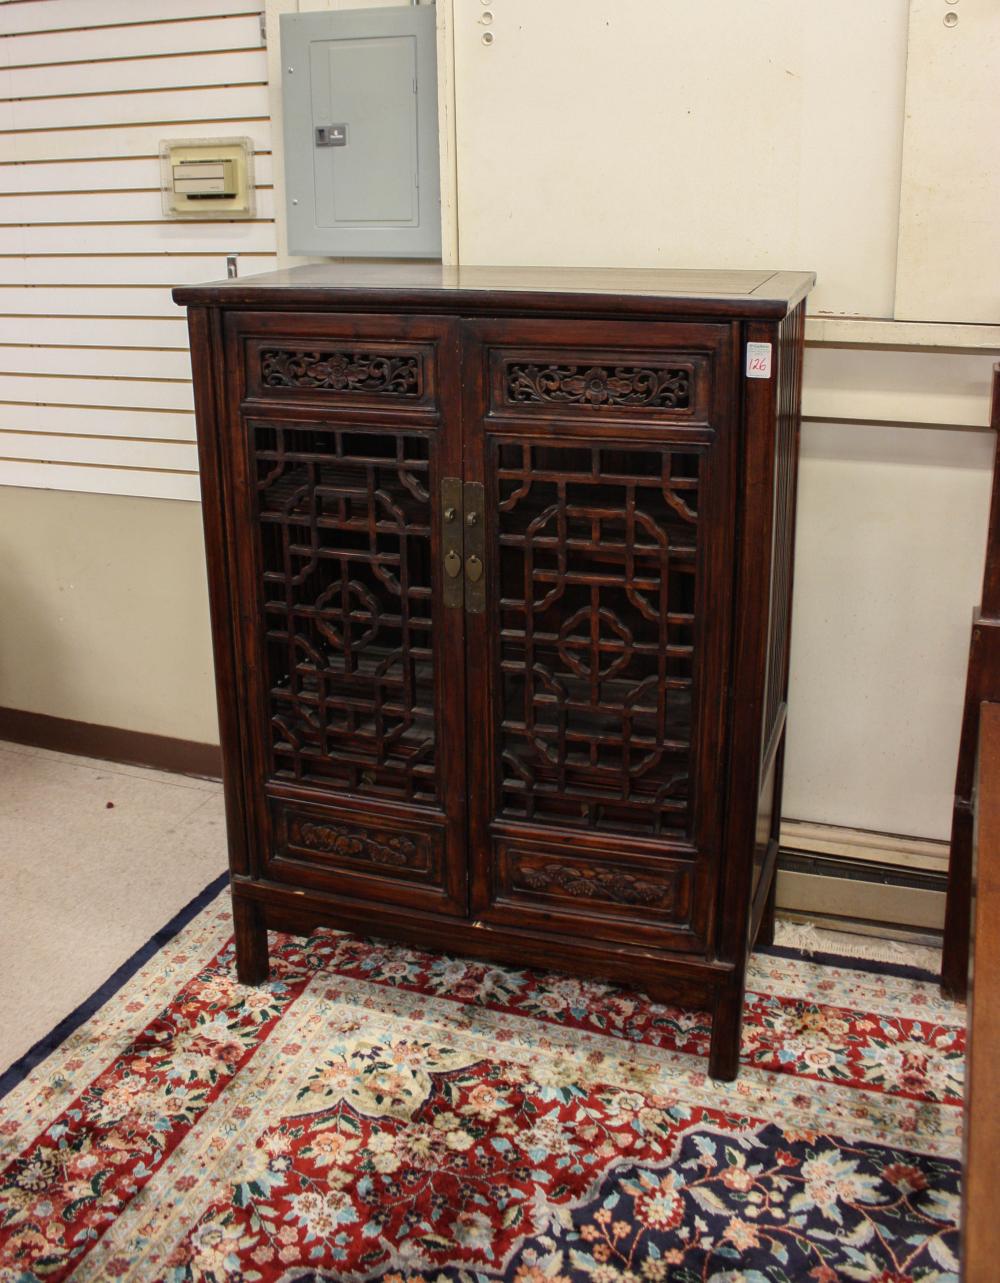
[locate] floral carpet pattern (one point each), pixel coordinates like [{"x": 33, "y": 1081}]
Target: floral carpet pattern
[{"x": 378, "y": 1113}]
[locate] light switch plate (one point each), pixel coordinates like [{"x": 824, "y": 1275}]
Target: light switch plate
[{"x": 231, "y": 157}]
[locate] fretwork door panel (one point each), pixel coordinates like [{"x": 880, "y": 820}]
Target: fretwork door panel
[
  {"x": 347, "y": 441},
  {"x": 347, "y": 579},
  {"x": 606, "y": 624}
]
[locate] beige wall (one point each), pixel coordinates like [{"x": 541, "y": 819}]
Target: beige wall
[
  {"x": 889, "y": 553},
  {"x": 647, "y": 133},
  {"x": 105, "y": 613}
]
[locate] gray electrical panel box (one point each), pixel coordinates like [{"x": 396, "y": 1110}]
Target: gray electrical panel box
[{"x": 360, "y": 125}]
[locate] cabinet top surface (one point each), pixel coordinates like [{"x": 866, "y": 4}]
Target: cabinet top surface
[{"x": 482, "y": 289}]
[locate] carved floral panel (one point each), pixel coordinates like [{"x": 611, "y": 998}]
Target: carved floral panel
[
  {"x": 343, "y": 371},
  {"x": 601, "y": 883},
  {"x": 664, "y": 387},
  {"x": 355, "y": 842}
]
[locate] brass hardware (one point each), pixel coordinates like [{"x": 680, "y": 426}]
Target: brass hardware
[
  {"x": 463, "y": 549},
  {"x": 451, "y": 541},
  {"x": 475, "y": 549}
]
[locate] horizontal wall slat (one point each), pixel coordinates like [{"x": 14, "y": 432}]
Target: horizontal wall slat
[
  {"x": 98, "y": 421},
  {"x": 62, "y": 476},
  {"x": 131, "y": 393},
  {"x": 854, "y": 331},
  {"x": 849, "y": 405},
  {"x": 848, "y": 385},
  {"x": 196, "y": 36},
  {"x": 87, "y": 301},
  {"x": 163, "y": 105},
  {"x": 115, "y": 453},
  {"x": 95, "y": 377},
  {"x": 129, "y": 140},
  {"x": 100, "y": 207},
  {"x": 95, "y": 331},
  {"x": 45, "y": 15},
  {"x": 141, "y": 270},
  {"x": 153, "y": 238},
  {"x": 171, "y": 71},
  {"x": 109, "y": 362},
  {"x": 98, "y": 176}
]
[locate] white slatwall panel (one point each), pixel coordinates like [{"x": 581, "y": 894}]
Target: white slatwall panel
[
  {"x": 95, "y": 377},
  {"x": 167, "y": 268}
]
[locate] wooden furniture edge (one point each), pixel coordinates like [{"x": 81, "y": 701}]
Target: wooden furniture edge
[
  {"x": 981, "y": 1167},
  {"x": 982, "y": 684}
]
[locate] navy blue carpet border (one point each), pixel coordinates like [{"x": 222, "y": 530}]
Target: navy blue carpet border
[{"x": 20, "y": 1069}]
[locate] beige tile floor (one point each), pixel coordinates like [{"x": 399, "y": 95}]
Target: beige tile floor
[{"x": 83, "y": 885}]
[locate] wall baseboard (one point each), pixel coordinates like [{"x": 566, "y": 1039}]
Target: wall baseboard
[{"x": 110, "y": 743}]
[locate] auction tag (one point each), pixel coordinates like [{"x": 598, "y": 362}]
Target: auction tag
[{"x": 758, "y": 360}]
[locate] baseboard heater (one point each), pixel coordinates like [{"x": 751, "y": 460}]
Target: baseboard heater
[{"x": 881, "y": 883}]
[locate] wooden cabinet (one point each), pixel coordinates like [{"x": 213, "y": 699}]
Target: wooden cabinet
[{"x": 500, "y": 568}]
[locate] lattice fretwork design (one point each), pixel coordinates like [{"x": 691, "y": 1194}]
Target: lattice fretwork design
[
  {"x": 597, "y": 645},
  {"x": 345, "y": 520}
]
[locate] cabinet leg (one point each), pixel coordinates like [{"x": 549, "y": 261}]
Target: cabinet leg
[
  {"x": 958, "y": 906},
  {"x": 252, "y": 966},
  {"x": 727, "y": 1032},
  {"x": 765, "y": 932}
]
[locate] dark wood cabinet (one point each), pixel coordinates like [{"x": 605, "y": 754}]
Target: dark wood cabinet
[{"x": 500, "y": 566}]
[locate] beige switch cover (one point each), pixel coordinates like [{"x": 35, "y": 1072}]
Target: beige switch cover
[{"x": 206, "y": 178}]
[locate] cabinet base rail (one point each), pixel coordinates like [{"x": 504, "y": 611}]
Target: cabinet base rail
[{"x": 714, "y": 986}]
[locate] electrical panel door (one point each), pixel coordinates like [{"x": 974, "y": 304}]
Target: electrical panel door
[{"x": 360, "y": 128}]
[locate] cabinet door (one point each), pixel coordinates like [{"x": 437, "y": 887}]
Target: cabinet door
[
  {"x": 346, "y": 433},
  {"x": 598, "y": 640}
]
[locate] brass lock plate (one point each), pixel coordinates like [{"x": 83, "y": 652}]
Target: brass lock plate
[
  {"x": 475, "y": 548},
  {"x": 452, "y": 534}
]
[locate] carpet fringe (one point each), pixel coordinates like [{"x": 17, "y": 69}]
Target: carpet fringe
[{"x": 812, "y": 939}]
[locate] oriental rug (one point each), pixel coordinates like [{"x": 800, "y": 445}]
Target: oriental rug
[{"x": 379, "y": 1113}]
